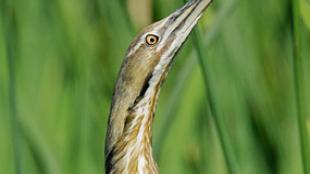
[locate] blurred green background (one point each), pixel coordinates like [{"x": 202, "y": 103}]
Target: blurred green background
[{"x": 59, "y": 60}]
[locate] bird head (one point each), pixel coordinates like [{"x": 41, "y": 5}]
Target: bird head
[{"x": 151, "y": 53}]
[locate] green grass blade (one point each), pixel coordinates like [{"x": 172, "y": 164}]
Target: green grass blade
[
  {"x": 200, "y": 47},
  {"x": 222, "y": 132},
  {"x": 9, "y": 16},
  {"x": 299, "y": 88}
]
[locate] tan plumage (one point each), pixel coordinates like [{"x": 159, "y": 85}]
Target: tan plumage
[{"x": 147, "y": 62}]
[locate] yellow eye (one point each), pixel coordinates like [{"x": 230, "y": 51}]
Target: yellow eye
[{"x": 151, "y": 39}]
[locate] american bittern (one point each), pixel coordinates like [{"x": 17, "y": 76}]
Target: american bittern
[{"x": 147, "y": 62}]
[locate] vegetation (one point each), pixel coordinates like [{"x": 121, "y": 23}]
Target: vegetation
[{"x": 237, "y": 99}]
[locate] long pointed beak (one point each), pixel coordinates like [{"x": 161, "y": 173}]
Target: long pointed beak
[
  {"x": 182, "y": 21},
  {"x": 186, "y": 17}
]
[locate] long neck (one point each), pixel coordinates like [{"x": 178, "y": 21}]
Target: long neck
[
  {"x": 131, "y": 150},
  {"x": 128, "y": 141}
]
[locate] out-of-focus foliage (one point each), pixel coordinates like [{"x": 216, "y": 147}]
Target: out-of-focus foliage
[
  {"x": 305, "y": 12},
  {"x": 67, "y": 55}
]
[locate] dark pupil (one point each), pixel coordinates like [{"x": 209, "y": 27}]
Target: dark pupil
[{"x": 152, "y": 40}]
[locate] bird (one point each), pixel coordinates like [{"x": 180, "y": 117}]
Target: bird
[{"x": 128, "y": 147}]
